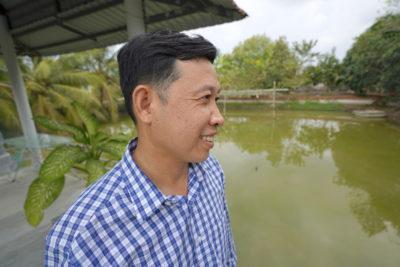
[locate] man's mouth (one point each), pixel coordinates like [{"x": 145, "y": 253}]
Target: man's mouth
[{"x": 208, "y": 138}]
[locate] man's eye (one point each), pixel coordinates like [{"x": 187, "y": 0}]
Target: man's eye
[{"x": 206, "y": 97}]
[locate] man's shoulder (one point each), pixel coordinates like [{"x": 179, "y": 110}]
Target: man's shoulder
[{"x": 105, "y": 195}]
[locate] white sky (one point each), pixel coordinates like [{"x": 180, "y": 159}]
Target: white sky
[{"x": 334, "y": 23}]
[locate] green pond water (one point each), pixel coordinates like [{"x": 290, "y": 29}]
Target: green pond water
[{"x": 311, "y": 188}]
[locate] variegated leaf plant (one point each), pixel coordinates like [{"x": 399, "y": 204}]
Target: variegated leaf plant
[{"x": 92, "y": 153}]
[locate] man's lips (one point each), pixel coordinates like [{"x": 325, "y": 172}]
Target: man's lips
[{"x": 208, "y": 139}]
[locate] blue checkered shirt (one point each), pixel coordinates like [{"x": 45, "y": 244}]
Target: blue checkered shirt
[{"x": 124, "y": 220}]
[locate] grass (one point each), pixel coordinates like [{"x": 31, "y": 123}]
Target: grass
[
  {"x": 289, "y": 105},
  {"x": 310, "y": 105},
  {"x": 243, "y": 106}
]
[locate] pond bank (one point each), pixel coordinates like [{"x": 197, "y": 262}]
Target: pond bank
[{"x": 336, "y": 102}]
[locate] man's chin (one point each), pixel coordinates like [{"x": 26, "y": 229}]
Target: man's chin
[{"x": 200, "y": 158}]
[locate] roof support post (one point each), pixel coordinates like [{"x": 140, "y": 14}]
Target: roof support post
[
  {"x": 134, "y": 17},
  {"x": 19, "y": 92}
]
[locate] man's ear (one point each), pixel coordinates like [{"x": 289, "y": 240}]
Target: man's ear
[{"x": 142, "y": 98}]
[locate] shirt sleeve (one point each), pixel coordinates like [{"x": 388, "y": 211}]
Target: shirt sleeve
[
  {"x": 231, "y": 259},
  {"x": 231, "y": 250},
  {"x": 53, "y": 256}
]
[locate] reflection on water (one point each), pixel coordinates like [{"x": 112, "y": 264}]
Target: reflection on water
[
  {"x": 327, "y": 166},
  {"x": 367, "y": 156},
  {"x": 286, "y": 139}
]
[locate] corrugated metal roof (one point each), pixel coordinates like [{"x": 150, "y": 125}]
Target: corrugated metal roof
[{"x": 48, "y": 27}]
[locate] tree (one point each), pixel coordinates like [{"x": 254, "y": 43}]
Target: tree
[
  {"x": 101, "y": 63},
  {"x": 304, "y": 53},
  {"x": 52, "y": 88},
  {"x": 327, "y": 70},
  {"x": 257, "y": 63},
  {"x": 282, "y": 66},
  {"x": 373, "y": 62},
  {"x": 245, "y": 67},
  {"x": 393, "y": 6},
  {"x": 8, "y": 112}
]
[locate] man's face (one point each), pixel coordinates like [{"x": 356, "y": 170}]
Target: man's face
[{"x": 185, "y": 126}]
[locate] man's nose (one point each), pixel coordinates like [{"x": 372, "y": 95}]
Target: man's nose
[{"x": 216, "y": 117}]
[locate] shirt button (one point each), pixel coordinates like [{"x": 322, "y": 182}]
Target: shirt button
[
  {"x": 171, "y": 201},
  {"x": 168, "y": 202}
]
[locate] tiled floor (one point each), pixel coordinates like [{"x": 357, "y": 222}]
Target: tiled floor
[{"x": 20, "y": 243}]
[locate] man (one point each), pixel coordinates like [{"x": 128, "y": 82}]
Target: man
[{"x": 163, "y": 204}]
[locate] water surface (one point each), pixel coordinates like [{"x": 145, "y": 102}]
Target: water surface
[{"x": 312, "y": 188}]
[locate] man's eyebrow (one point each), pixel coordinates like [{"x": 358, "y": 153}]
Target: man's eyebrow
[{"x": 208, "y": 88}]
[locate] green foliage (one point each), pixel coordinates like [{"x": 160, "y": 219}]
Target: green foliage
[
  {"x": 88, "y": 120},
  {"x": 114, "y": 148},
  {"x": 304, "y": 51},
  {"x": 311, "y": 105},
  {"x": 245, "y": 66},
  {"x": 53, "y": 87},
  {"x": 41, "y": 194},
  {"x": 95, "y": 169},
  {"x": 89, "y": 78},
  {"x": 101, "y": 63},
  {"x": 258, "y": 62},
  {"x": 8, "y": 112},
  {"x": 282, "y": 66},
  {"x": 327, "y": 70},
  {"x": 77, "y": 133},
  {"x": 60, "y": 161},
  {"x": 87, "y": 155},
  {"x": 373, "y": 62},
  {"x": 393, "y": 6}
]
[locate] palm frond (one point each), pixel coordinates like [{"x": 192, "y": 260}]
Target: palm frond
[
  {"x": 42, "y": 70},
  {"x": 8, "y": 115},
  {"x": 59, "y": 100},
  {"x": 79, "y": 95},
  {"x": 34, "y": 87},
  {"x": 77, "y": 78},
  {"x": 5, "y": 92}
]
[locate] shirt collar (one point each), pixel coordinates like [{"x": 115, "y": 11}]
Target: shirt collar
[{"x": 145, "y": 195}]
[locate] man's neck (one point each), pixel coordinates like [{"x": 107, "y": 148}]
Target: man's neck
[{"x": 168, "y": 174}]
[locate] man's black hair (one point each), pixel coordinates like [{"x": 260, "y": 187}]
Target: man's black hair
[{"x": 150, "y": 59}]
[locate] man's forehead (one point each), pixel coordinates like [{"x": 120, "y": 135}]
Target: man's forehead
[
  {"x": 208, "y": 87},
  {"x": 200, "y": 73}
]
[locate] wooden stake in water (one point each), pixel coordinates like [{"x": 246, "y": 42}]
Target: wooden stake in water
[
  {"x": 224, "y": 104},
  {"x": 273, "y": 96}
]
